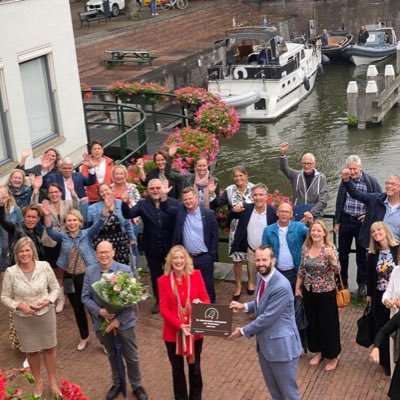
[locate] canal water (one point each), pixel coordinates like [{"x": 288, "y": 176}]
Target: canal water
[{"x": 318, "y": 125}]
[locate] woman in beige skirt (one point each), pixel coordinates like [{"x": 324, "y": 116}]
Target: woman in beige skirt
[{"x": 29, "y": 289}]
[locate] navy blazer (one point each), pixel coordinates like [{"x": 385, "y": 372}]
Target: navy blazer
[
  {"x": 210, "y": 227},
  {"x": 80, "y": 181},
  {"x": 158, "y": 225},
  {"x": 376, "y": 210},
  {"x": 240, "y": 239}
]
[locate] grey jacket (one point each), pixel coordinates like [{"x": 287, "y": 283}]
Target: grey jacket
[{"x": 317, "y": 193}]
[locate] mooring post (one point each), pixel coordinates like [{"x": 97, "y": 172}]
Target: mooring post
[
  {"x": 372, "y": 73},
  {"x": 398, "y": 58},
  {"x": 371, "y": 93},
  {"x": 389, "y": 75},
  {"x": 352, "y": 96}
]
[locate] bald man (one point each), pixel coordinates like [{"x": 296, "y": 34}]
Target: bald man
[{"x": 310, "y": 190}]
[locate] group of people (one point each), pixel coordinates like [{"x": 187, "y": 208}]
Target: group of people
[{"x": 74, "y": 226}]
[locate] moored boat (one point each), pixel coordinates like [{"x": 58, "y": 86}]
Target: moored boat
[
  {"x": 337, "y": 41},
  {"x": 262, "y": 75},
  {"x": 380, "y": 44}
]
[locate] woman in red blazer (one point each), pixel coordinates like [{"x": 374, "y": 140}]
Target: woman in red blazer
[{"x": 179, "y": 288}]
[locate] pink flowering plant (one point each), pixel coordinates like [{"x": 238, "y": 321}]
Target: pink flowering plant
[
  {"x": 151, "y": 92},
  {"x": 192, "y": 144},
  {"x": 275, "y": 199},
  {"x": 133, "y": 172},
  {"x": 118, "y": 291},
  {"x": 195, "y": 96},
  {"x": 85, "y": 89},
  {"x": 217, "y": 118}
]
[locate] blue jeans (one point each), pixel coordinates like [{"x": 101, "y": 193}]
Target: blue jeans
[{"x": 153, "y": 7}]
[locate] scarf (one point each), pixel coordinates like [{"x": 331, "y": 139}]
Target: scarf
[
  {"x": 184, "y": 344},
  {"x": 203, "y": 183}
]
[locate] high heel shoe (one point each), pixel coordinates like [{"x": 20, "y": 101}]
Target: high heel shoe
[
  {"x": 236, "y": 297},
  {"x": 316, "y": 359}
]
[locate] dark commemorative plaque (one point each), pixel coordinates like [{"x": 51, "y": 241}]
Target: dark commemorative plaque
[{"x": 211, "y": 319}]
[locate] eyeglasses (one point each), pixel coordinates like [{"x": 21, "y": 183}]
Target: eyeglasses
[
  {"x": 307, "y": 163},
  {"x": 104, "y": 252}
]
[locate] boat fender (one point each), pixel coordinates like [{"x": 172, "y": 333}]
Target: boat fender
[
  {"x": 306, "y": 83},
  {"x": 320, "y": 69},
  {"x": 325, "y": 59},
  {"x": 242, "y": 70}
]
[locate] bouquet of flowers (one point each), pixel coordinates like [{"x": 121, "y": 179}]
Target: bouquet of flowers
[
  {"x": 223, "y": 221},
  {"x": 150, "y": 92},
  {"x": 118, "y": 291},
  {"x": 133, "y": 172},
  {"x": 217, "y": 118},
  {"x": 195, "y": 96},
  {"x": 275, "y": 198},
  {"x": 192, "y": 144}
]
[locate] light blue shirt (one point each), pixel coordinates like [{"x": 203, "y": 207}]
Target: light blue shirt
[
  {"x": 392, "y": 218},
  {"x": 193, "y": 233},
  {"x": 285, "y": 260}
]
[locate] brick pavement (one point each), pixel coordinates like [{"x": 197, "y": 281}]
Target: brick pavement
[
  {"x": 172, "y": 36},
  {"x": 230, "y": 368}
]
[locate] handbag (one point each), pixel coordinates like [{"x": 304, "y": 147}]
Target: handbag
[
  {"x": 69, "y": 285},
  {"x": 47, "y": 241},
  {"x": 366, "y": 328},
  {"x": 342, "y": 294}
]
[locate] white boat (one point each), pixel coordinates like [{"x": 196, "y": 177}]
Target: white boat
[
  {"x": 380, "y": 44},
  {"x": 260, "y": 74}
]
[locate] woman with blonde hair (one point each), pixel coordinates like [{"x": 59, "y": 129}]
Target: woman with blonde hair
[
  {"x": 19, "y": 188},
  {"x": 29, "y": 289},
  {"x": 316, "y": 284},
  {"x": 382, "y": 258},
  {"x": 179, "y": 288},
  {"x": 76, "y": 254}
]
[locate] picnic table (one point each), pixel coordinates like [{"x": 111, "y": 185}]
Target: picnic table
[{"x": 122, "y": 56}]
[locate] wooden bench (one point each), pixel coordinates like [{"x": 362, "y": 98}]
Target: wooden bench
[
  {"x": 139, "y": 57},
  {"x": 92, "y": 15}
]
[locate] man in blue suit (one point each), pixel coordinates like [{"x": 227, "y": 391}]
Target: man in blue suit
[
  {"x": 157, "y": 232},
  {"x": 196, "y": 228},
  {"x": 278, "y": 341},
  {"x": 66, "y": 172}
]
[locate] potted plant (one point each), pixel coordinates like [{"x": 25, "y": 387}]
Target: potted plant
[
  {"x": 192, "y": 98},
  {"x": 85, "y": 89},
  {"x": 138, "y": 92},
  {"x": 192, "y": 144},
  {"x": 217, "y": 118}
]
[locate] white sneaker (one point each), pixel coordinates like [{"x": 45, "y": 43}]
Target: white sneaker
[{"x": 25, "y": 364}]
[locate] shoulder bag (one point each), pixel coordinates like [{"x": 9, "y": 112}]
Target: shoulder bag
[{"x": 342, "y": 294}]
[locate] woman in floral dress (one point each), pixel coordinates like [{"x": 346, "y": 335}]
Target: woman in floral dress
[
  {"x": 316, "y": 284},
  {"x": 233, "y": 195}
]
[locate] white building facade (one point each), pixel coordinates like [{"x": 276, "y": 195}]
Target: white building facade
[{"x": 40, "y": 96}]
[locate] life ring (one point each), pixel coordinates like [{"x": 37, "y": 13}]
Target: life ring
[{"x": 242, "y": 70}]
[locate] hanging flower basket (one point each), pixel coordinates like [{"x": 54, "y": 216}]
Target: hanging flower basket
[
  {"x": 138, "y": 92},
  {"x": 218, "y": 119},
  {"x": 86, "y": 95},
  {"x": 192, "y": 144},
  {"x": 192, "y": 98}
]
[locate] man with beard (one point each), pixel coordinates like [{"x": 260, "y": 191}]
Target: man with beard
[
  {"x": 158, "y": 230},
  {"x": 278, "y": 341}
]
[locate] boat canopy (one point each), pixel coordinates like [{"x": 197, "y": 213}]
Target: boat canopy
[{"x": 264, "y": 33}]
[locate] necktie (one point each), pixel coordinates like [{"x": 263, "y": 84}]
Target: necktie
[{"x": 261, "y": 291}]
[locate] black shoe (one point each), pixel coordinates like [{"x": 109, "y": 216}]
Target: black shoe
[
  {"x": 250, "y": 292},
  {"x": 236, "y": 297},
  {"x": 155, "y": 309},
  {"x": 113, "y": 392},
  {"x": 362, "y": 290},
  {"x": 140, "y": 393}
]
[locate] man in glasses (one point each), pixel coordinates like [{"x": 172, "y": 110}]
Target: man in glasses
[
  {"x": 310, "y": 190},
  {"x": 379, "y": 206}
]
